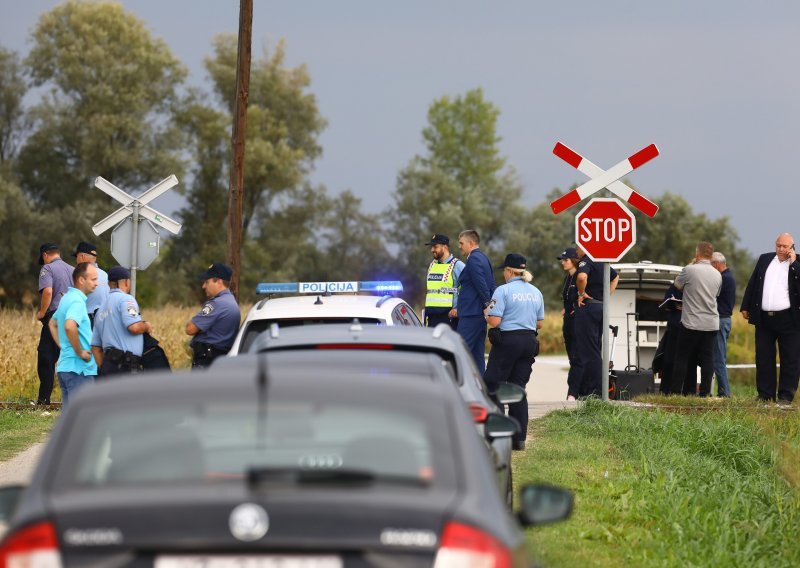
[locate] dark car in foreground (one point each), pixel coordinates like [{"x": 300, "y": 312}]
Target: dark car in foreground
[
  {"x": 441, "y": 341},
  {"x": 267, "y": 466}
]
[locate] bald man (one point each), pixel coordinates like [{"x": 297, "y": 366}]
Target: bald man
[{"x": 771, "y": 303}]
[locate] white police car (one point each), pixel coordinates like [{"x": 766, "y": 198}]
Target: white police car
[{"x": 324, "y": 302}]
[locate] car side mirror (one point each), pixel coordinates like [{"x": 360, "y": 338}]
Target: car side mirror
[
  {"x": 9, "y": 498},
  {"x": 543, "y": 504},
  {"x": 509, "y": 393},
  {"x": 500, "y": 426}
]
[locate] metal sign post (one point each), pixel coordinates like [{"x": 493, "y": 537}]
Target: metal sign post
[
  {"x": 605, "y": 229},
  {"x": 127, "y": 241}
]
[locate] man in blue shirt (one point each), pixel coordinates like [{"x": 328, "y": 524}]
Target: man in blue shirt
[
  {"x": 477, "y": 287},
  {"x": 117, "y": 341},
  {"x": 215, "y": 326},
  {"x": 72, "y": 331},
  {"x": 517, "y": 311},
  {"x": 55, "y": 278},
  {"x": 725, "y": 302},
  {"x": 87, "y": 252},
  {"x": 444, "y": 275}
]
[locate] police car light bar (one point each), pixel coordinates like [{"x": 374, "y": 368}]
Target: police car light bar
[{"x": 329, "y": 287}]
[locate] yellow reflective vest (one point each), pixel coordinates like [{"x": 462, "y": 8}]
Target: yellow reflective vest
[{"x": 441, "y": 285}]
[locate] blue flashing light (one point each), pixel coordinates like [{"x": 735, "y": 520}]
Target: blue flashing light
[
  {"x": 277, "y": 288},
  {"x": 381, "y": 286}
]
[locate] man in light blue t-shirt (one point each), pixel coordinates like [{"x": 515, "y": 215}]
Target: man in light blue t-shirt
[{"x": 72, "y": 331}]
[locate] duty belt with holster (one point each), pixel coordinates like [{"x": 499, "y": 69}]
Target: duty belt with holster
[
  {"x": 123, "y": 359},
  {"x": 205, "y": 353}
]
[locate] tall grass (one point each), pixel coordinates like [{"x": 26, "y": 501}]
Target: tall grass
[{"x": 657, "y": 488}]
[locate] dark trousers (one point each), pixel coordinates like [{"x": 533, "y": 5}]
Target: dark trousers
[
  {"x": 473, "y": 330},
  {"x": 47, "y": 354},
  {"x": 568, "y": 331},
  {"x": 670, "y": 350},
  {"x": 780, "y": 329},
  {"x": 432, "y": 320},
  {"x": 588, "y": 350},
  {"x": 511, "y": 361},
  {"x": 695, "y": 348}
]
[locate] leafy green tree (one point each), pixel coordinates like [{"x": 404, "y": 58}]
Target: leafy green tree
[
  {"x": 13, "y": 121},
  {"x": 111, "y": 90},
  {"x": 460, "y": 182}
]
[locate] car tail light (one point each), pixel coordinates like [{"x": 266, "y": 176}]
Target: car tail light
[
  {"x": 463, "y": 545},
  {"x": 355, "y": 346},
  {"x": 33, "y": 546},
  {"x": 479, "y": 412}
]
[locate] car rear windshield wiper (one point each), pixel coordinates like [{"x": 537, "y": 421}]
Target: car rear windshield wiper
[{"x": 338, "y": 476}]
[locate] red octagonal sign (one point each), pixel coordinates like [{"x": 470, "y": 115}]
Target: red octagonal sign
[{"x": 605, "y": 229}]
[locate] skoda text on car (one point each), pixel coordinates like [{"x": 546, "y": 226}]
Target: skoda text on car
[
  {"x": 309, "y": 303},
  {"x": 268, "y": 466}
]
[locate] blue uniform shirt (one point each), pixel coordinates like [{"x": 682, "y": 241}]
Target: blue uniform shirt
[
  {"x": 519, "y": 303},
  {"x": 477, "y": 285},
  {"x": 97, "y": 299},
  {"x": 594, "y": 274},
  {"x": 218, "y": 321},
  {"x": 112, "y": 321},
  {"x": 58, "y": 276},
  {"x": 569, "y": 293},
  {"x": 73, "y": 307}
]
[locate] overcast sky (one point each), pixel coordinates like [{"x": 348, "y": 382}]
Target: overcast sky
[{"x": 714, "y": 84}]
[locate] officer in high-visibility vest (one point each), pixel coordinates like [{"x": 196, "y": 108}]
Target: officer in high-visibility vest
[{"x": 444, "y": 275}]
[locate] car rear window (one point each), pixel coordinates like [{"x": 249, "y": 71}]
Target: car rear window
[
  {"x": 224, "y": 441},
  {"x": 257, "y": 327}
]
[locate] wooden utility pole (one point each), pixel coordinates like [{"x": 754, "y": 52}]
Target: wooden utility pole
[{"x": 236, "y": 193}]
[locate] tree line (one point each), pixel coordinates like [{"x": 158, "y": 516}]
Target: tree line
[{"x": 112, "y": 100}]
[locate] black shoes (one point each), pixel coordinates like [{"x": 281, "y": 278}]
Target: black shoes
[{"x": 518, "y": 445}]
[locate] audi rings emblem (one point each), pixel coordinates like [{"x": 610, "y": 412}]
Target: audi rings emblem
[
  {"x": 321, "y": 461},
  {"x": 248, "y": 522}
]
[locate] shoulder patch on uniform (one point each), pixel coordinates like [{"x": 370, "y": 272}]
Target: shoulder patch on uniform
[
  {"x": 207, "y": 309},
  {"x": 131, "y": 309},
  {"x": 42, "y": 273},
  {"x": 581, "y": 264},
  {"x": 492, "y": 304}
]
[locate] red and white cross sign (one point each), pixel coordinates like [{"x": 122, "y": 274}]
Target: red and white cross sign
[
  {"x": 605, "y": 229},
  {"x": 605, "y": 178}
]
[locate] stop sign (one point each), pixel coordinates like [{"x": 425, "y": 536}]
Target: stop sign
[{"x": 605, "y": 229}]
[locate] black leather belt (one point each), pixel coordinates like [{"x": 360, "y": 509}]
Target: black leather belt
[
  {"x": 766, "y": 313},
  {"x": 520, "y": 332},
  {"x": 592, "y": 301}
]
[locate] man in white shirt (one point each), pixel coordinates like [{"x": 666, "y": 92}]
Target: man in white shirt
[{"x": 771, "y": 303}]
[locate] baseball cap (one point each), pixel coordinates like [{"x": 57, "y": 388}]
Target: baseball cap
[
  {"x": 85, "y": 247},
  {"x": 217, "y": 270},
  {"x": 568, "y": 253},
  {"x": 46, "y": 247},
  {"x": 513, "y": 260},
  {"x": 438, "y": 239},
  {"x": 118, "y": 273}
]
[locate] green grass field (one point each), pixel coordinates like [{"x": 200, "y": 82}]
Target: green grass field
[
  {"x": 21, "y": 428},
  {"x": 712, "y": 484}
]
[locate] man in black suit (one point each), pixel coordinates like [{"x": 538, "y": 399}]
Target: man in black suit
[{"x": 771, "y": 303}]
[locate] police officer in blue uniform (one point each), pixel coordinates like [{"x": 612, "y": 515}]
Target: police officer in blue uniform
[
  {"x": 569, "y": 297},
  {"x": 55, "y": 278},
  {"x": 515, "y": 314},
  {"x": 215, "y": 326},
  {"x": 117, "y": 341},
  {"x": 443, "y": 278},
  {"x": 87, "y": 252},
  {"x": 477, "y": 287},
  {"x": 589, "y": 323}
]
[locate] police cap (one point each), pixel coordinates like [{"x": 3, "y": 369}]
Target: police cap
[
  {"x": 46, "y": 247},
  {"x": 513, "y": 260},
  {"x": 217, "y": 270},
  {"x": 118, "y": 273},
  {"x": 438, "y": 239},
  {"x": 85, "y": 247},
  {"x": 568, "y": 253}
]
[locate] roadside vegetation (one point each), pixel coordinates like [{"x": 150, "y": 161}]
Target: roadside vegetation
[
  {"x": 715, "y": 483},
  {"x": 22, "y": 428}
]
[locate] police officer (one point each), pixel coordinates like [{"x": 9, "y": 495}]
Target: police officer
[
  {"x": 589, "y": 323},
  {"x": 517, "y": 312},
  {"x": 569, "y": 297},
  {"x": 55, "y": 278},
  {"x": 87, "y": 252},
  {"x": 117, "y": 341},
  {"x": 444, "y": 275},
  {"x": 477, "y": 287},
  {"x": 215, "y": 326}
]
